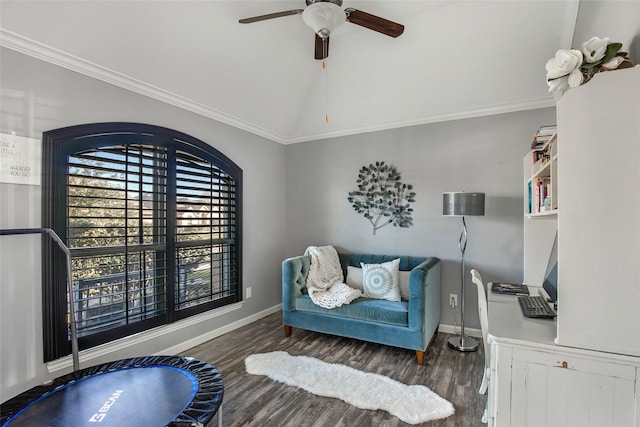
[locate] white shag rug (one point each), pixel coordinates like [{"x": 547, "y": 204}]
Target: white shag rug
[{"x": 413, "y": 404}]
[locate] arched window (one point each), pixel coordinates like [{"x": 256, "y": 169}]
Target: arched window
[{"x": 152, "y": 218}]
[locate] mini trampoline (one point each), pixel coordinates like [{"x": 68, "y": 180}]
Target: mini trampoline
[
  {"x": 145, "y": 391},
  {"x": 149, "y": 391}
]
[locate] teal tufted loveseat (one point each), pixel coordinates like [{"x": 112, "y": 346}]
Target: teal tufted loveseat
[{"x": 407, "y": 324}]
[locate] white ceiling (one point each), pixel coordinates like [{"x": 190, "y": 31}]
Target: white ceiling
[{"x": 456, "y": 59}]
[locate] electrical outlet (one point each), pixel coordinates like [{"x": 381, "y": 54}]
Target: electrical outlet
[
  {"x": 248, "y": 292},
  {"x": 453, "y": 300}
]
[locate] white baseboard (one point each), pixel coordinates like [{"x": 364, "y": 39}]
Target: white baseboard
[
  {"x": 455, "y": 330},
  {"x": 92, "y": 356},
  {"x": 186, "y": 345}
]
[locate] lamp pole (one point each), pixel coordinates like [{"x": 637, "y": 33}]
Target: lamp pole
[{"x": 462, "y": 343}]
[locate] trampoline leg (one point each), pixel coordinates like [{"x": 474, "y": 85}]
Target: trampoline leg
[{"x": 220, "y": 415}]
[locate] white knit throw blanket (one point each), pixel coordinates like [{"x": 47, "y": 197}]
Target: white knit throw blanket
[{"x": 325, "y": 281}]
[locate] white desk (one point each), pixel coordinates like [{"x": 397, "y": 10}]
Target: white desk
[
  {"x": 534, "y": 382},
  {"x": 506, "y": 321}
]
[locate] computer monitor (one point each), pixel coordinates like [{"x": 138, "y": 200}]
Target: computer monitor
[{"x": 550, "y": 283}]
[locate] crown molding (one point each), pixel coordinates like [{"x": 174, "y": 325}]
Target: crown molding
[
  {"x": 435, "y": 118},
  {"x": 49, "y": 54},
  {"x": 33, "y": 48}
]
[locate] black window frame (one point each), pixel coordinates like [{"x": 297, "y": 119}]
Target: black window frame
[{"x": 58, "y": 145}]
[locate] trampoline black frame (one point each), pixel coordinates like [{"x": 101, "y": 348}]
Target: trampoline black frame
[{"x": 199, "y": 411}]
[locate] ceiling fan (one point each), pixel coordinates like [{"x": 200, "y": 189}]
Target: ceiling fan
[{"x": 323, "y": 16}]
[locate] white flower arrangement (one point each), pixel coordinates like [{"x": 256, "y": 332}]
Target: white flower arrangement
[{"x": 573, "y": 67}]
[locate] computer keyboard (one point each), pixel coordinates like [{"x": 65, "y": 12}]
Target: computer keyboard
[{"x": 535, "y": 307}]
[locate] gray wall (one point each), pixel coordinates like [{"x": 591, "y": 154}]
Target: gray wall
[
  {"x": 36, "y": 97},
  {"x": 294, "y": 196},
  {"x": 481, "y": 154}
]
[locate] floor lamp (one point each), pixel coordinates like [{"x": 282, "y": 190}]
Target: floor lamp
[{"x": 462, "y": 204}]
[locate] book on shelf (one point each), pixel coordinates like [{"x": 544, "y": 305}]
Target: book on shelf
[
  {"x": 539, "y": 158},
  {"x": 541, "y": 155},
  {"x": 543, "y": 136},
  {"x": 547, "y": 130},
  {"x": 539, "y": 195}
]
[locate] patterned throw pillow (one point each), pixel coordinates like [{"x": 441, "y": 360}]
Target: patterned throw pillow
[
  {"x": 380, "y": 281},
  {"x": 354, "y": 280}
]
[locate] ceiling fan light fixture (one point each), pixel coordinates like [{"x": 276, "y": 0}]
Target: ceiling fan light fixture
[{"x": 324, "y": 17}]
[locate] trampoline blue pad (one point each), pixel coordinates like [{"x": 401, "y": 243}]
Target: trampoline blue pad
[{"x": 137, "y": 396}]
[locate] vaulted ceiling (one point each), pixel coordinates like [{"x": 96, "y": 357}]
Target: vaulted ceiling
[{"x": 456, "y": 59}]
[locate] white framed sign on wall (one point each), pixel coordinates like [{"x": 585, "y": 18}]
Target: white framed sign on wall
[{"x": 20, "y": 159}]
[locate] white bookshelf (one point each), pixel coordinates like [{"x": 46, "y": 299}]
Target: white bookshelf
[{"x": 540, "y": 221}]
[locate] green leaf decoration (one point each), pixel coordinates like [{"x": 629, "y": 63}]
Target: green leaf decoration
[
  {"x": 588, "y": 66},
  {"x": 612, "y": 49}
]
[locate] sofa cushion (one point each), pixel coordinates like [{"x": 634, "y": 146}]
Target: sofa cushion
[
  {"x": 354, "y": 277},
  {"x": 381, "y": 280},
  {"x": 374, "y": 310}
]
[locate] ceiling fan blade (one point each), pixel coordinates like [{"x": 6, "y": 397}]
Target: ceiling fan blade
[
  {"x": 375, "y": 23},
  {"x": 270, "y": 16},
  {"x": 321, "y": 47}
]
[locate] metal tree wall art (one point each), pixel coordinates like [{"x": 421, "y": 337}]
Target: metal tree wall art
[{"x": 382, "y": 198}]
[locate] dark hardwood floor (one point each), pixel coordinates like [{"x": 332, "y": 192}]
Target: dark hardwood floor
[{"x": 252, "y": 400}]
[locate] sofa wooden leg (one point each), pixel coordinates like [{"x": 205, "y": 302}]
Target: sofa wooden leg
[
  {"x": 287, "y": 330},
  {"x": 420, "y": 354}
]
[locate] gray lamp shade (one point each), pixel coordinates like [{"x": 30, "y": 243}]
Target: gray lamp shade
[{"x": 462, "y": 204}]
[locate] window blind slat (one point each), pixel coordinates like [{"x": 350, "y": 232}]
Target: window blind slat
[{"x": 150, "y": 218}]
